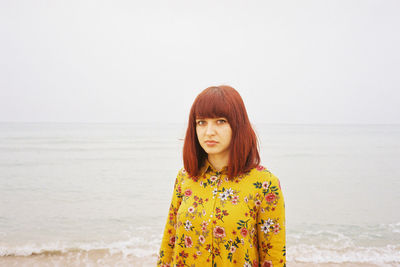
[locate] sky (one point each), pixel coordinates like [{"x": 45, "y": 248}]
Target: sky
[{"x": 117, "y": 61}]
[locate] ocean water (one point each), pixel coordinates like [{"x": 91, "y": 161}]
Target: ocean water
[{"x": 98, "y": 194}]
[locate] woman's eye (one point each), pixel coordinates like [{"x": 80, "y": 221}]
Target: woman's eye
[
  {"x": 201, "y": 122},
  {"x": 221, "y": 121}
]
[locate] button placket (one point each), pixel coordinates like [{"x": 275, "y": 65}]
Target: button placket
[{"x": 215, "y": 198}]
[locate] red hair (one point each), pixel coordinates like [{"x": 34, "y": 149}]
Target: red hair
[{"x": 214, "y": 102}]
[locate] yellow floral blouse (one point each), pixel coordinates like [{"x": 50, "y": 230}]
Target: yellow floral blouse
[{"x": 216, "y": 221}]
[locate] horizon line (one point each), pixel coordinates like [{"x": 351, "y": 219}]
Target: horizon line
[{"x": 154, "y": 122}]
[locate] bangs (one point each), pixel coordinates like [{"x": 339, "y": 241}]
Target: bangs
[{"x": 212, "y": 104}]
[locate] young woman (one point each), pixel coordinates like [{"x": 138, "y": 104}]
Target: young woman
[{"x": 226, "y": 209}]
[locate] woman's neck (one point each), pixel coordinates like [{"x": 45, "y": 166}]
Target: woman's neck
[{"x": 218, "y": 162}]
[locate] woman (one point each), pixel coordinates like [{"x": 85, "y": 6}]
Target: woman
[{"x": 226, "y": 209}]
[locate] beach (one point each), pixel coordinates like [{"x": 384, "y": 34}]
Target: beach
[
  {"x": 98, "y": 194},
  {"x": 99, "y": 258}
]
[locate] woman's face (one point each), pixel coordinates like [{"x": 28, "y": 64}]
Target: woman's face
[{"x": 214, "y": 135}]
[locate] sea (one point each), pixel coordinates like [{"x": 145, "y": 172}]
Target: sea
[{"x": 97, "y": 194}]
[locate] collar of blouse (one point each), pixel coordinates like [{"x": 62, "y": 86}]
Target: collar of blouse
[{"x": 207, "y": 167}]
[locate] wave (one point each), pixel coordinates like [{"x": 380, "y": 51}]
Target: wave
[
  {"x": 139, "y": 248},
  {"x": 315, "y": 254},
  {"x": 394, "y": 227},
  {"x": 135, "y": 246},
  {"x": 307, "y": 243},
  {"x": 376, "y": 244}
]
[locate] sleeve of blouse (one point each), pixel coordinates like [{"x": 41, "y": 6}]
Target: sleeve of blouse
[
  {"x": 168, "y": 239},
  {"x": 271, "y": 229}
]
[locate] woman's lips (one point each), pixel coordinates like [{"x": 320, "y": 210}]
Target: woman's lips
[{"x": 211, "y": 143}]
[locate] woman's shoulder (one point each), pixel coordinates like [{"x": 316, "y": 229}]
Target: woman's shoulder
[
  {"x": 182, "y": 172},
  {"x": 262, "y": 174},
  {"x": 182, "y": 175}
]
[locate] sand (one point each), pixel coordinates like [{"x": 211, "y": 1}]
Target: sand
[{"x": 99, "y": 258}]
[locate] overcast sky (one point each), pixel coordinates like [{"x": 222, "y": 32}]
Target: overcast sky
[{"x": 145, "y": 61}]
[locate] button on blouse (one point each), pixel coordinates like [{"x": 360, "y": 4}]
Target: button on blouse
[{"x": 217, "y": 221}]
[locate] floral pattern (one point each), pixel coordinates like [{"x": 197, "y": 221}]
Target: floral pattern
[{"x": 216, "y": 221}]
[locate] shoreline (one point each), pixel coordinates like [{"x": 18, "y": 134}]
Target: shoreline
[{"x": 99, "y": 258}]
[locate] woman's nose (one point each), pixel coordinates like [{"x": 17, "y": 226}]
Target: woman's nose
[{"x": 210, "y": 129}]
